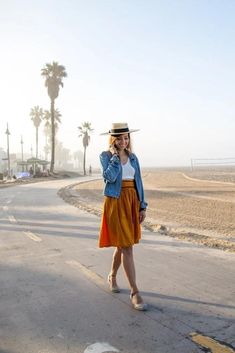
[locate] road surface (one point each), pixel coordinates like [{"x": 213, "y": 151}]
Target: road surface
[{"x": 53, "y": 292}]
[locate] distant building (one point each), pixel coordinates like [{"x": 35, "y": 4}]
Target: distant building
[{"x": 3, "y": 163}]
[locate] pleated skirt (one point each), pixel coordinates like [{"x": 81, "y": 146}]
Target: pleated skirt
[{"x": 120, "y": 226}]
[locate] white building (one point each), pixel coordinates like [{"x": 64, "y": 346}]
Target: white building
[{"x": 3, "y": 163}]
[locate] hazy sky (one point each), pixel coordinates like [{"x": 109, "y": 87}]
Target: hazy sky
[{"x": 166, "y": 67}]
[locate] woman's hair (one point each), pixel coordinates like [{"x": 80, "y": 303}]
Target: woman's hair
[{"x": 112, "y": 140}]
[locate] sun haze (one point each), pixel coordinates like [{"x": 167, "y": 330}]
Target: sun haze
[{"x": 165, "y": 67}]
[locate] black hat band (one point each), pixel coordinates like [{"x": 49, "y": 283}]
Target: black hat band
[{"x": 118, "y": 131}]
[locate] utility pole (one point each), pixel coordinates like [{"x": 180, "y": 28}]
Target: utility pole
[
  {"x": 22, "y": 152},
  {"x": 8, "y": 154}
]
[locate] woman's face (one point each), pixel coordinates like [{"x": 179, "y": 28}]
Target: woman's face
[{"x": 122, "y": 141}]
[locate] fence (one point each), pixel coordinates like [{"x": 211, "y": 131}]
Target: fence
[{"x": 209, "y": 162}]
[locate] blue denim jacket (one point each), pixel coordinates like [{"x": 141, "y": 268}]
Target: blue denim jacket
[{"x": 112, "y": 174}]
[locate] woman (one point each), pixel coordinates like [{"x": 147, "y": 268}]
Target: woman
[{"x": 124, "y": 207}]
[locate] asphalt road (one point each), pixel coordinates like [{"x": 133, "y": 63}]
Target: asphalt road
[{"x": 53, "y": 292}]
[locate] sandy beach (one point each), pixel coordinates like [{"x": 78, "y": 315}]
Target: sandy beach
[{"x": 195, "y": 206}]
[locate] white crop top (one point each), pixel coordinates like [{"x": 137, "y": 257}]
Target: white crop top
[{"x": 128, "y": 171}]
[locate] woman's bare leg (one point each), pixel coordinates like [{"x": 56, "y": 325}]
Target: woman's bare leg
[
  {"x": 116, "y": 262},
  {"x": 129, "y": 267}
]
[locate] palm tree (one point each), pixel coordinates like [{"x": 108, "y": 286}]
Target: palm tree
[
  {"x": 47, "y": 118},
  {"x": 47, "y": 132},
  {"x": 78, "y": 156},
  {"x": 53, "y": 73},
  {"x": 36, "y": 114},
  {"x": 47, "y": 127},
  {"x": 84, "y": 129}
]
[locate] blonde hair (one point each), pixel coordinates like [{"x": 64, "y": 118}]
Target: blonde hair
[{"x": 112, "y": 140}]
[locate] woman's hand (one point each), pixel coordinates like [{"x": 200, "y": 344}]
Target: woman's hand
[
  {"x": 113, "y": 149},
  {"x": 142, "y": 215}
]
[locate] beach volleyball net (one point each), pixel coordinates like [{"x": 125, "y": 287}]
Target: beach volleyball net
[{"x": 199, "y": 163}]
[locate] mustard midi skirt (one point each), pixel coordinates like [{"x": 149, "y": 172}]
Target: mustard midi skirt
[{"x": 120, "y": 226}]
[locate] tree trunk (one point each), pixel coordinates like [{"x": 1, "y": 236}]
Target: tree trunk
[
  {"x": 52, "y": 136},
  {"x": 84, "y": 161}
]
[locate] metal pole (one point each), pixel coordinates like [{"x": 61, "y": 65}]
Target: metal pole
[
  {"x": 8, "y": 154},
  {"x": 191, "y": 164},
  {"x": 22, "y": 152}
]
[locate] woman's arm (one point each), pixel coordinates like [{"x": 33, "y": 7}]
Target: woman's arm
[
  {"x": 111, "y": 166},
  {"x": 143, "y": 203}
]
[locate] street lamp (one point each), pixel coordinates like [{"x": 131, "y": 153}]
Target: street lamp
[
  {"x": 8, "y": 153},
  {"x": 22, "y": 152}
]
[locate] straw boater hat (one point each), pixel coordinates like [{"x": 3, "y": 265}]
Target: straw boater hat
[{"x": 118, "y": 129}]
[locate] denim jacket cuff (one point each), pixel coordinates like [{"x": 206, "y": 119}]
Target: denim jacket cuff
[
  {"x": 143, "y": 205},
  {"x": 114, "y": 158}
]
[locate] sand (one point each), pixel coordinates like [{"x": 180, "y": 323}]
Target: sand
[{"x": 198, "y": 206}]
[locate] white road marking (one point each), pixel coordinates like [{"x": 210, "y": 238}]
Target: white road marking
[
  {"x": 100, "y": 347},
  {"x": 86, "y": 271},
  {"x": 32, "y": 236},
  {"x": 12, "y": 219},
  {"x": 5, "y": 208},
  {"x": 9, "y": 201}
]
